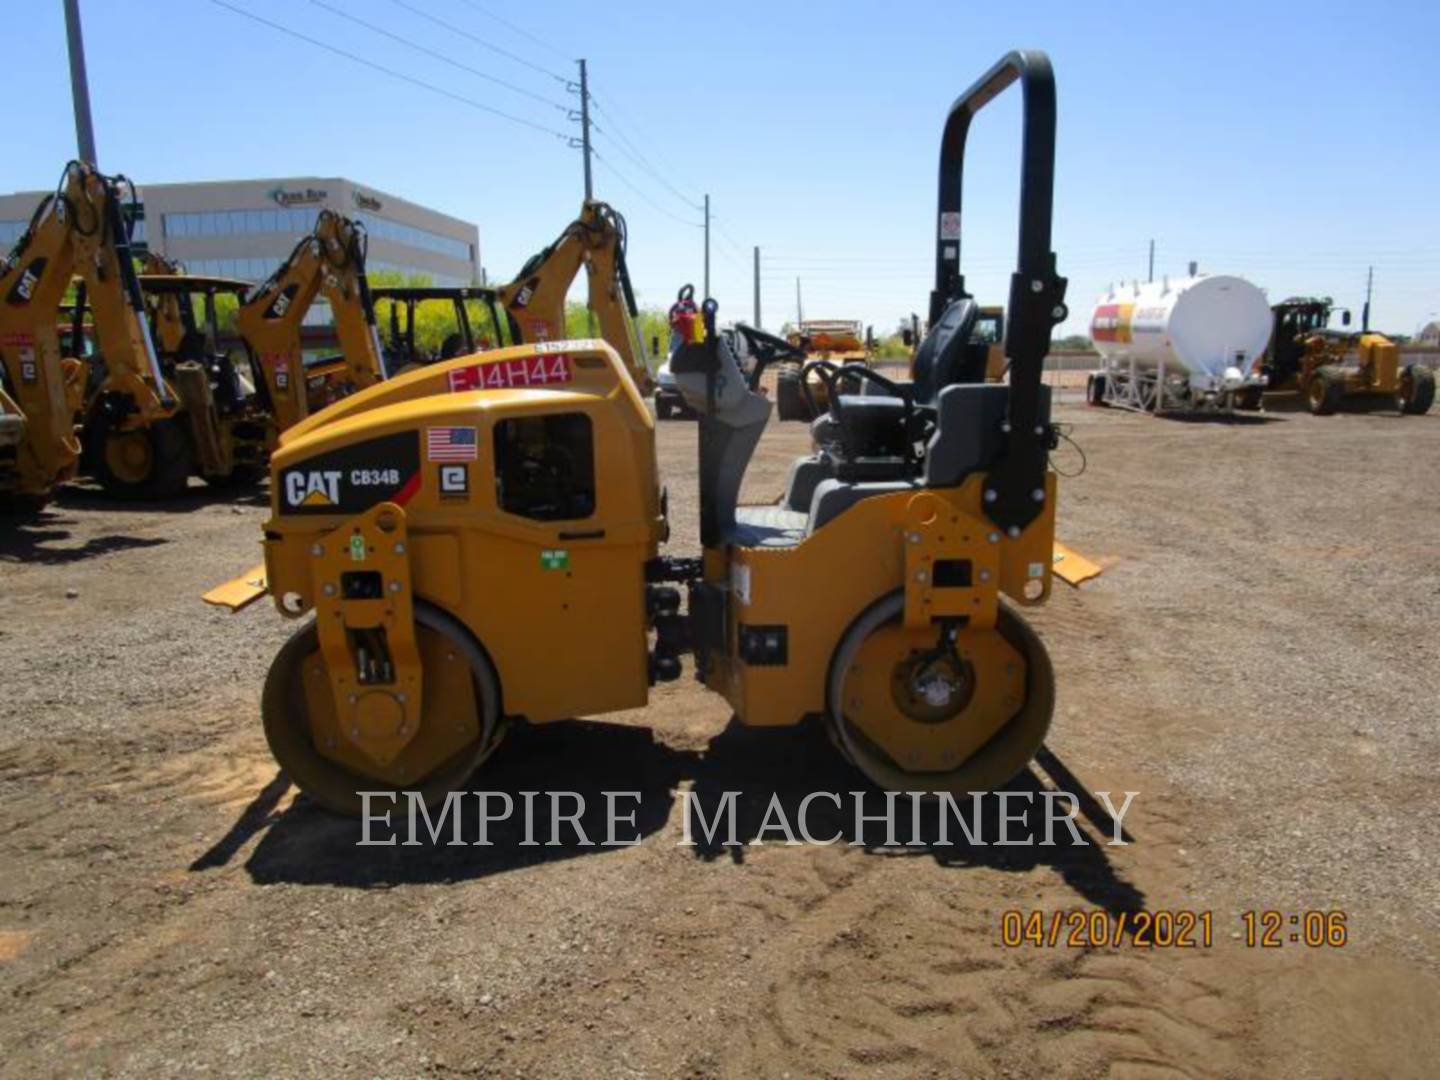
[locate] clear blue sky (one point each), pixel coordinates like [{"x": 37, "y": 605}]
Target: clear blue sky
[{"x": 1293, "y": 143}]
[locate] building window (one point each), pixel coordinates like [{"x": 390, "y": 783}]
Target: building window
[
  {"x": 296, "y": 222},
  {"x": 545, "y": 467},
  {"x": 411, "y": 236}
]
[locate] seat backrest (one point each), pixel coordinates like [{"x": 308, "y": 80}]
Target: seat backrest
[
  {"x": 968, "y": 433},
  {"x": 940, "y": 360}
]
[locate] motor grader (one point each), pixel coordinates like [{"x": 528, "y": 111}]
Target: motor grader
[
  {"x": 1329, "y": 366},
  {"x": 458, "y": 534}
]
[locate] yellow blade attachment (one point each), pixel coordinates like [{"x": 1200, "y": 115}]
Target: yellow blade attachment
[
  {"x": 239, "y": 593},
  {"x": 1072, "y": 567}
]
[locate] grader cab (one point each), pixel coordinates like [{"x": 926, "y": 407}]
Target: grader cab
[{"x": 460, "y": 532}]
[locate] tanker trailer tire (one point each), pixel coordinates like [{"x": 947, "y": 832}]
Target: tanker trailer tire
[
  {"x": 789, "y": 399},
  {"x": 148, "y": 464},
  {"x": 1417, "y": 390},
  {"x": 877, "y": 638},
  {"x": 287, "y": 725},
  {"x": 1095, "y": 390},
  {"x": 1250, "y": 399},
  {"x": 1326, "y": 391}
]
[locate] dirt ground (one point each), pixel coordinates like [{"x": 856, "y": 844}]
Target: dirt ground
[{"x": 1259, "y": 662}]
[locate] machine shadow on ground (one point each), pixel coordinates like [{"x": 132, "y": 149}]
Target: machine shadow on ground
[
  {"x": 733, "y": 780},
  {"x": 30, "y": 540},
  {"x": 198, "y": 496}
]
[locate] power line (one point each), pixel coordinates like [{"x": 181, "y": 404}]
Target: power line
[
  {"x": 627, "y": 182},
  {"x": 439, "y": 56},
  {"x": 481, "y": 41},
  {"x": 637, "y": 160},
  {"x": 391, "y": 71},
  {"x": 519, "y": 30},
  {"x": 620, "y": 123}
]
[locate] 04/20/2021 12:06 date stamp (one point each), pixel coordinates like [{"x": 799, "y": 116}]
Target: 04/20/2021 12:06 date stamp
[{"x": 1178, "y": 929}]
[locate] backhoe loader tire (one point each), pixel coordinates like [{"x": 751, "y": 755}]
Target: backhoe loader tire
[
  {"x": 1417, "y": 390},
  {"x": 287, "y": 728},
  {"x": 789, "y": 398},
  {"x": 1326, "y": 391},
  {"x": 146, "y": 465}
]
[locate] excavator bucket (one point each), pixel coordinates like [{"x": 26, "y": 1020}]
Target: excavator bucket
[{"x": 239, "y": 593}]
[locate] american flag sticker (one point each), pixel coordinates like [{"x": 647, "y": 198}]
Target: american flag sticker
[{"x": 451, "y": 444}]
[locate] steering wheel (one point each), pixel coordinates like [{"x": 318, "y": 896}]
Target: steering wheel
[{"x": 767, "y": 349}]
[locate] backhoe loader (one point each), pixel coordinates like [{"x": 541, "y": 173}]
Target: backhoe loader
[
  {"x": 41, "y": 389},
  {"x": 328, "y": 264},
  {"x": 478, "y": 542},
  {"x": 400, "y": 307},
  {"x": 535, "y": 301}
]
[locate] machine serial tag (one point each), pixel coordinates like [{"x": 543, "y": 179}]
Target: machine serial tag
[
  {"x": 555, "y": 559},
  {"x": 357, "y": 548}
]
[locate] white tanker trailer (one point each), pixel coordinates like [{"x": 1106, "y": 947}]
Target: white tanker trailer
[{"x": 1194, "y": 343}]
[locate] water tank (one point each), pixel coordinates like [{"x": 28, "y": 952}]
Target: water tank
[{"x": 1211, "y": 328}]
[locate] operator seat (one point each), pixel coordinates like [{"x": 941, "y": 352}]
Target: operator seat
[{"x": 943, "y": 357}]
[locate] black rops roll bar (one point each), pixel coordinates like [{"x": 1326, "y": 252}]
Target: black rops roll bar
[{"x": 1015, "y": 489}]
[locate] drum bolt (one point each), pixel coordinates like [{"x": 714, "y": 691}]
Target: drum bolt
[
  {"x": 1037, "y": 285},
  {"x": 400, "y": 548},
  {"x": 920, "y": 575},
  {"x": 394, "y": 586},
  {"x": 1039, "y": 429},
  {"x": 1058, "y": 311},
  {"x": 994, "y": 538},
  {"x": 914, "y": 538},
  {"x": 1005, "y": 427},
  {"x": 351, "y": 699},
  {"x": 1038, "y": 494},
  {"x": 328, "y": 589},
  {"x": 984, "y": 575},
  {"x": 991, "y": 495},
  {"x": 1014, "y": 531},
  {"x": 400, "y": 697},
  {"x": 316, "y": 550}
]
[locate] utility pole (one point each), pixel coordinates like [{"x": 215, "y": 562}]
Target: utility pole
[
  {"x": 584, "y": 128},
  {"x": 707, "y": 247},
  {"x": 757, "y": 286},
  {"x": 79, "y": 84},
  {"x": 1369, "y": 288},
  {"x": 799, "y": 306},
  {"x": 1152, "y": 262}
]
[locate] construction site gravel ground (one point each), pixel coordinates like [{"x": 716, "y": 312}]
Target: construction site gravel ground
[{"x": 1258, "y": 662}]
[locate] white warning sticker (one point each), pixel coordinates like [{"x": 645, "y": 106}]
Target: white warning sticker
[{"x": 950, "y": 225}]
